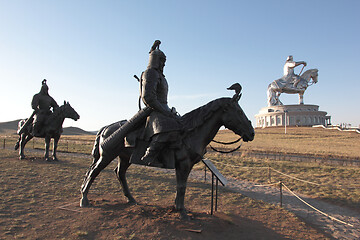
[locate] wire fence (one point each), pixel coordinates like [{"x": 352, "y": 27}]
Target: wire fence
[
  {"x": 282, "y": 186},
  {"x": 64, "y": 145}
]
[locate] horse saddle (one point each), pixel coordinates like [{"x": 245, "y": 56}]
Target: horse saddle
[{"x": 134, "y": 140}]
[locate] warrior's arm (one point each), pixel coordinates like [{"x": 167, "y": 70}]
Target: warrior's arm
[
  {"x": 54, "y": 104},
  {"x": 299, "y": 63},
  {"x": 35, "y": 102},
  {"x": 149, "y": 93}
]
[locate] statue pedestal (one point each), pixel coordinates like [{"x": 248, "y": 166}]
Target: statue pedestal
[{"x": 292, "y": 115}]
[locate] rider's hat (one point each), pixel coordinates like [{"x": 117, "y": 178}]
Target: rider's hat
[
  {"x": 44, "y": 87},
  {"x": 156, "y": 56}
]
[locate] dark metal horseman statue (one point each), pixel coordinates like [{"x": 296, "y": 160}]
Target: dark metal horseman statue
[
  {"x": 158, "y": 136},
  {"x": 43, "y": 122}
]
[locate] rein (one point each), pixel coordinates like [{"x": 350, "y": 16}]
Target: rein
[{"x": 226, "y": 143}]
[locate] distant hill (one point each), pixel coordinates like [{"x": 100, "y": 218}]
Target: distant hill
[
  {"x": 10, "y": 128},
  {"x": 76, "y": 131}
]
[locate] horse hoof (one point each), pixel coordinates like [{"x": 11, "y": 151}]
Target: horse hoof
[
  {"x": 84, "y": 202},
  {"x": 184, "y": 216},
  {"x": 132, "y": 202},
  {"x": 22, "y": 157}
]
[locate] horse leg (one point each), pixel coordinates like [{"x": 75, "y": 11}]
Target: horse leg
[
  {"x": 120, "y": 172},
  {"x": 183, "y": 169},
  {"x": 17, "y": 144},
  {"x": 47, "y": 146},
  {"x": 272, "y": 96},
  {"x": 22, "y": 146},
  {"x": 301, "y": 98},
  {"x": 55, "y": 145},
  {"x": 94, "y": 170}
]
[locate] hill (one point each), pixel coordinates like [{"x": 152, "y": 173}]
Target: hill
[
  {"x": 10, "y": 128},
  {"x": 76, "y": 131}
]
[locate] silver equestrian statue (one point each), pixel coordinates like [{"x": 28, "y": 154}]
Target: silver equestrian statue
[{"x": 291, "y": 83}]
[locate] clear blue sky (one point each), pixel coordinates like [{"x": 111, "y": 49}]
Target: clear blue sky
[{"x": 89, "y": 51}]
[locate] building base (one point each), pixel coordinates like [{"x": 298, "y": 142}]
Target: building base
[{"x": 292, "y": 115}]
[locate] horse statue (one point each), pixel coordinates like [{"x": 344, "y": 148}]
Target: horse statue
[
  {"x": 51, "y": 129},
  {"x": 280, "y": 86},
  {"x": 201, "y": 125}
]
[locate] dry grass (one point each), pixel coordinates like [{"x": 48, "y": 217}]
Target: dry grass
[
  {"x": 33, "y": 190},
  {"x": 305, "y": 141},
  {"x": 339, "y": 185},
  {"x": 301, "y": 140}
]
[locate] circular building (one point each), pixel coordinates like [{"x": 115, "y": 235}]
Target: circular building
[{"x": 291, "y": 115}]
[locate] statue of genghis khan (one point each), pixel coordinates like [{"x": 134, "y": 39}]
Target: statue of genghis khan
[
  {"x": 42, "y": 103},
  {"x": 289, "y": 75},
  {"x": 291, "y": 83},
  {"x": 162, "y": 124}
]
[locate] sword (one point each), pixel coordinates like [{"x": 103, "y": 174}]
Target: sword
[{"x": 302, "y": 70}]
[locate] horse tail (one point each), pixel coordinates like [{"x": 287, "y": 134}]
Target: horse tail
[
  {"x": 20, "y": 124},
  {"x": 96, "y": 149},
  {"x": 270, "y": 95}
]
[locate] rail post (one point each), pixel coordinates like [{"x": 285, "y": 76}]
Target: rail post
[
  {"x": 212, "y": 194},
  {"x": 281, "y": 194},
  {"x": 205, "y": 172},
  {"x": 216, "y": 192}
]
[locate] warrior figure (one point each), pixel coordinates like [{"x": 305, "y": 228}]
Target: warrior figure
[
  {"x": 42, "y": 103},
  {"x": 163, "y": 125},
  {"x": 289, "y": 76}
]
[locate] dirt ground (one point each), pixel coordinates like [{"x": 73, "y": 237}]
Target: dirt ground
[{"x": 40, "y": 200}]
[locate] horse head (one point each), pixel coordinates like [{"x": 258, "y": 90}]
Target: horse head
[
  {"x": 69, "y": 112},
  {"x": 311, "y": 74},
  {"x": 235, "y": 119},
  {"x": 314, "y": 75}
]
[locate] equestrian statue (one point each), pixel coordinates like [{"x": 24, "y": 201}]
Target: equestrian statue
[
  {"x": 158, "y": 136},
  {"x": 291, "y": 83},
  {"x": 45, "y": 122}
]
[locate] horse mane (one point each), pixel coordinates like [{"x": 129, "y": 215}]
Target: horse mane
[
  {"x": 56, "y": 113},
  {"x": 309, "y": 71},
  {"x": 198, "y": 116}
]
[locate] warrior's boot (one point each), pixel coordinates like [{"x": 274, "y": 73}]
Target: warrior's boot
[{"x": 151, "y": 155}]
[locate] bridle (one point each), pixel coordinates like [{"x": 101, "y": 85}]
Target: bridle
[{"x": 226, "y": 143}]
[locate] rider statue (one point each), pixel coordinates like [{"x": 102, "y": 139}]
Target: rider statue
[
  {"x": 289, "y": 76},
  {"x": 162, "y": 125},
  {"x": 42, "y": 103}
]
